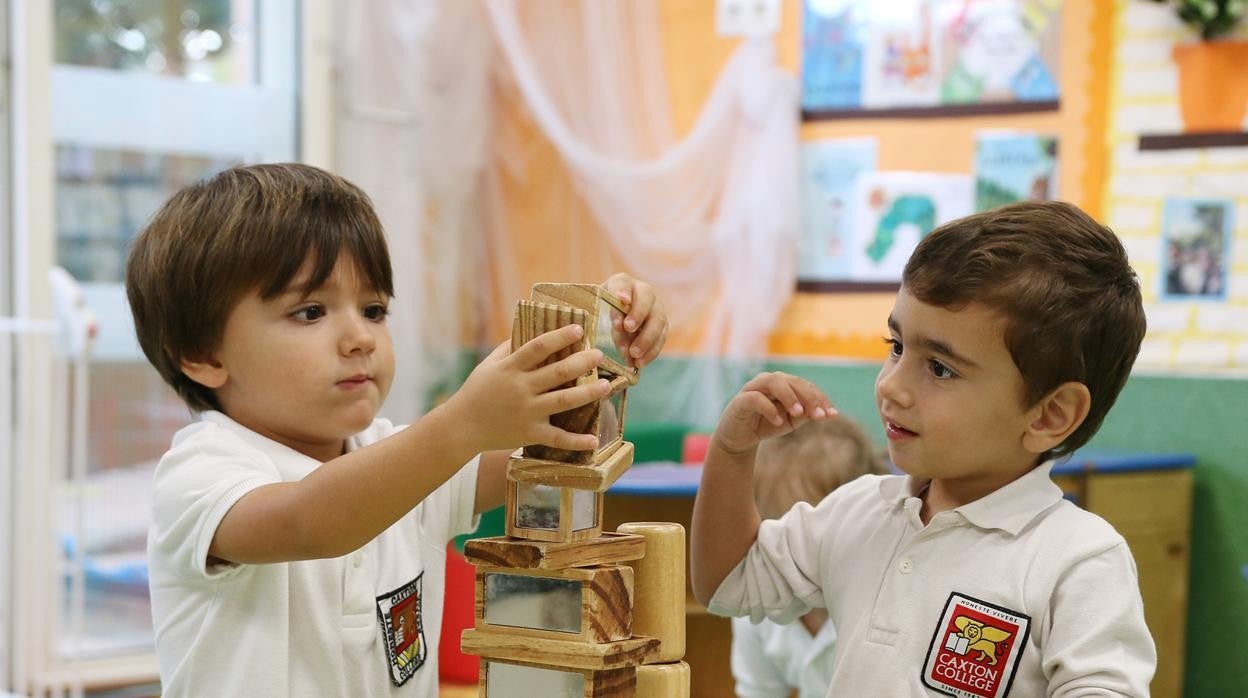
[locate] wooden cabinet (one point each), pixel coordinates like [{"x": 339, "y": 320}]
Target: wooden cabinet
[
  {"x": 1147, "y": 498},
  {"x": 1152, "y": 509}
]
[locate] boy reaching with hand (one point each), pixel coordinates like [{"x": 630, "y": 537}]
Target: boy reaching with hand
[
  {"x": 298, "y": 542},
  {"x": 969, "y": 575}
]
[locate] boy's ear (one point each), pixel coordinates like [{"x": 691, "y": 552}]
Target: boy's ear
[
  {"x": 206, "y": 371},
  {"x": 1057, "y": 416}
]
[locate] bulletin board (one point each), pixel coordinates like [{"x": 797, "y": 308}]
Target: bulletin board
[{"x": 1058, "y": 141}]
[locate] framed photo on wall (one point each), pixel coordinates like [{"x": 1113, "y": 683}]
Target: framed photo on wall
[{"x": 1196, "y": 241}]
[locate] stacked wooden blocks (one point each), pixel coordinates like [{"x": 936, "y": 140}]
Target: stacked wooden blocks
[{"x": 562, "y": 608}]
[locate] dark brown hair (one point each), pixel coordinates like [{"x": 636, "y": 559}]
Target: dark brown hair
[
  {"x": 1070, "y": 300},
  {"x": 247, "y": 229},
  {"x": 809, "y": 462}
]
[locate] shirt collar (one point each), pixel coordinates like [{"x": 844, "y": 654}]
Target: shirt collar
[{"x": 1009, "y": 509}]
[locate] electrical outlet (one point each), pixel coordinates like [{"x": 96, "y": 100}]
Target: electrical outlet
[{"x": 747, "y": 17}]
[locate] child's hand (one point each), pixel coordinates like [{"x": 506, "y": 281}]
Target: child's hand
[
  {"x": 769, "y": 405},
  {"x": 641, "y": 333},
  {"x": 509, "y": 397}
]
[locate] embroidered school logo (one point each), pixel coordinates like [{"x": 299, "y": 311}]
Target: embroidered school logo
[
  {"x": 400, "y": 615},
  {"x": 975, "y": 649}
]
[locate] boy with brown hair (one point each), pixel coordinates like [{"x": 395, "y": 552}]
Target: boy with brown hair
[
  {"x": 298, "y": 542},
  {"x": 970, "y": 575},
  {"x": 770, "y": 660}
]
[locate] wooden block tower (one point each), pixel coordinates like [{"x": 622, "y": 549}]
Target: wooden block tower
[{"x": 562, "y": 608}]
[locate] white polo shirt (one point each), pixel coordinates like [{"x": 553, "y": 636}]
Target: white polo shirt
[
  {"x": 1020, "y": 593},
  {"x": 365, "y": 624},
  {"x": 769, "y": 660}
]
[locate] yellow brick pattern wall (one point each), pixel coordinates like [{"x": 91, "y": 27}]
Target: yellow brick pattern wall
[{"x": 1196, "y": 336}]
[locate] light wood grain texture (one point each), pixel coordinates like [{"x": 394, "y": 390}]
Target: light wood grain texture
[
  {"x": 604, "y": 612},
  {"x": 597, "y": 475},
  {"x": 566, "y": 530},
  {"x": 663, "y": 680},
  {"x": 557, "y": 653},
  {"x": 605, "y": 683},
  {"x": 501, "y": 551},
  {"x": 659, "y": 609},
  {"x": 1153, "y": 511}
]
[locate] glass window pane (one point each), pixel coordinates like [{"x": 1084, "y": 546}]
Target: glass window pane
[
  {"x": 200, "y": 40},
  {"x": 103, "y": 198}
]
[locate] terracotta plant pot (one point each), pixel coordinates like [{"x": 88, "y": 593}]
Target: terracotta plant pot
[{"x": 1213, "y": 85}]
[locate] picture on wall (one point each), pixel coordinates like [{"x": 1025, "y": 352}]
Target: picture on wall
[
  {"x": 1014, "y": 166},
  {"x": 860, "y": 55},
  {"x": 1196, "y": 239},
  {"x": 894, "y": 211},
  {"x": 830, "y": 170}
]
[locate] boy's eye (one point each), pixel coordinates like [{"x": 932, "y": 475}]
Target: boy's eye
[
  {"x": 309, "y": 314},
  {"x": 940, "y": 370},
  {"x": 894, "y": 346},
  {"x": 376, "y": 311}
]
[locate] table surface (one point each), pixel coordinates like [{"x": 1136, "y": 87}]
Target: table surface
[{"x": 669, "y": 479}]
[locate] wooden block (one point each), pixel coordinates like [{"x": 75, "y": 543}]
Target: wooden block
[
  {"x": 507, "y": 679},
  {"x": 595, "y": 476},
  {"x": 535, "y": 319},
  {"x": 501, "y": 551},
  {"x": 585, "y": 604},
  {"x": 559, "y": 514},
  {"x": 557, "y": 653},
  {"x": 660, "y": 587},
  {"x": 599, "y": 305},
  {"x": 663, "y": 680}
]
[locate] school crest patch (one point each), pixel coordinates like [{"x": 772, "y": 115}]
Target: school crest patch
[
  {"x": 975, "y": 649},
  {"x": 401, "y": 618}
]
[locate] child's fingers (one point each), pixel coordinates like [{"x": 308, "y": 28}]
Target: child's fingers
[
  {"x": 538, "y": 349},
  {"x": 622, "y": 286},
  {"x": 640, "y": 309},
  {"x": 553, "y": 436},
  {"x": 815, "y": 404},
  {"x": 565, "y": 370},
  {"x": 557, "y": 401},
  {"x": 756, "y": 403},
  {"x": 649, "y": 341}
]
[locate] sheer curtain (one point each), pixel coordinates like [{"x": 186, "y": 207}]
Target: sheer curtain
[
  {"x": 709, "y": 218},
  {"x": 413, "y": 131}
]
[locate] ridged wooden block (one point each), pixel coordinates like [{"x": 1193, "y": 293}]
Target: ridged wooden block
[
  {"x": 501, "y": 551},
  {"x": 659, "y": 583},
  {"x": 663, "y": 680},
  {"x": 525, "y": 680},
  {"x": 557, "y": 653},
  {"x": 582, "y": 604}
]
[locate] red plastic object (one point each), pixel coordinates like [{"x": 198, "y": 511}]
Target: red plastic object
[
  {"x": 457, "y": 614},
  {"x": 693, "y": 449}
]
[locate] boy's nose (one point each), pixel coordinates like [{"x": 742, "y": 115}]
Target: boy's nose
[
  {"x": 357, "y": 336},
  {"x": 891, "y": 386}
]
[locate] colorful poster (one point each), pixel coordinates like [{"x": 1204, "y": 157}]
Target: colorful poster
[
  {"x": 833, "y": 37},
  {"x": 998, "y": 50},
  {"x": 901, "y": 64},
  {"x": 927, "y": 53},
  {"x": 894, "y": 210},
  {"x": 830, "y": 170},
  {"x": 1196, "y": 240},
  {"x": 1013, "y": 167}
]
